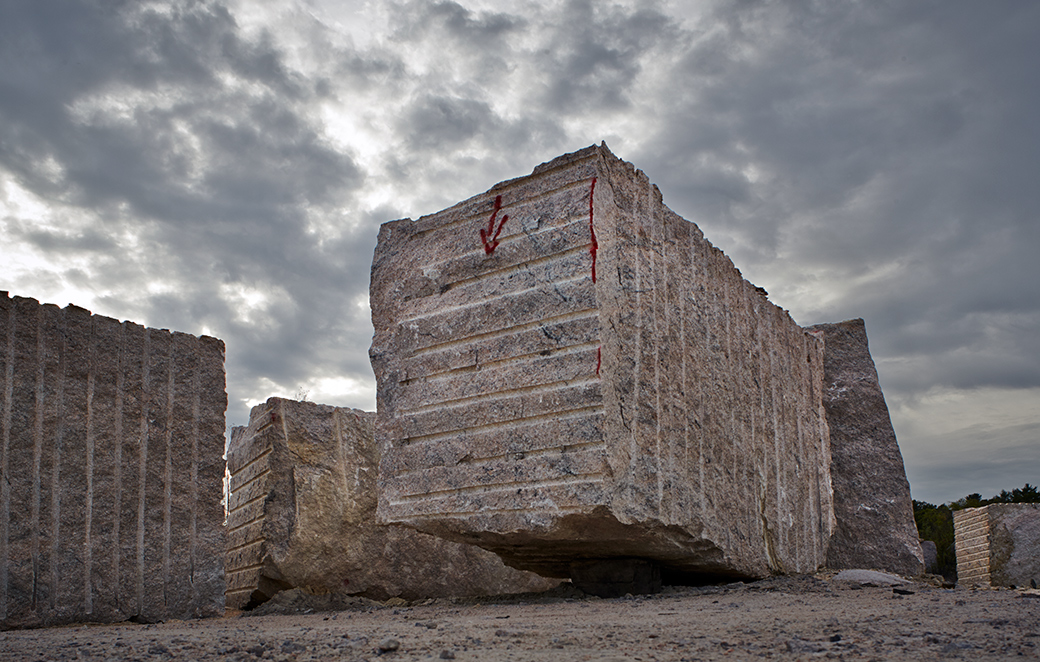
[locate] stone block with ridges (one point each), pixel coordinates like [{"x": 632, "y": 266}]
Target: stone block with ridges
[
  {"x": 998, "y": 545},
  {"x": 302, "y": 514},
  {"x": 567, "y": 372},
  {"x": 111, "y": 469}
]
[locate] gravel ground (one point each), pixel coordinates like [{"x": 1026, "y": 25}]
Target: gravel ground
[{"x": 789, "y": 618}]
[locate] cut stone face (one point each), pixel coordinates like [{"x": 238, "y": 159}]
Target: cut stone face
[
  {"x": 872, "y": 505},
  {"x": 568, "y": 372},
  {"x": 111, "y": 457},
  {"x": 302, "y": 515},
  {"x": 998, "y": 545}
]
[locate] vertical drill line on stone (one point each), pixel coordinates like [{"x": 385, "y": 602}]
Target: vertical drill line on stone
[
  {"x": 659, "y": 283},
  {"x": 37, "y": 455},
  {"x": 754, "y": 520},
  {"x": 142, "y": 472},
  {"x": 699, "y": 271},
  {"x": 634, "y": 436},
  {"x": 715, "y": 471},
  {"x": 194, "y": 487},
  {"x": 88, "y": 548},
  {"x": 778, "y": 530},
  {"x": 117, "y": 470},
  {"x": 781, "y": 487},
  {"x": 59, "y": 434},
  {"x": 806, "y": 504},
  {"x": 341, "y": 457},
  {"x": 765, "y": 379},
  {"x": 5, "y": 465},
  {"x": 168, "y": 473},
  {"x": 683, "y": 378},
  {"x": 748, "y": 452}
]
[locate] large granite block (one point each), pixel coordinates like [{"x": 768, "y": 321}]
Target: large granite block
[
  {"x": 302, "y": 514},
  {"x": 872, "y": 506},
  {"x": 568, "y": 373},
  {"x": 111, "y": 469},
  {"x": 998, "y": 545}
]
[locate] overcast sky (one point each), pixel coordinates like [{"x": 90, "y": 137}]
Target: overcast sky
[{"x": 222, "y": 168}]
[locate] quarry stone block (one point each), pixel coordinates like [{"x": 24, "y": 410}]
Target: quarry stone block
[
  {"x": 568, "y": 373},
  {"x": 998, "y": 545},
  {"x": 302, "y": 515},
  {"x": 872, "y": 507},
  {"x": 111, "y": 469}
]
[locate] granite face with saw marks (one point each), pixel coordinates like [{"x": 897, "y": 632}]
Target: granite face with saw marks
[
  {"x": 111, "y": 468},
  {"x": 569, "y": 372}
]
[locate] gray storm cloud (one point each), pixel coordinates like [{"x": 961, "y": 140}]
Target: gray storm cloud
[{"x": 223, "y": 168}]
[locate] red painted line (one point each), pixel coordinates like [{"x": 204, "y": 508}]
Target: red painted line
[
  {"x": 599, "y": 359},
  {"x": 489, "y": 237},
  {"x": 594, "y": 246}
]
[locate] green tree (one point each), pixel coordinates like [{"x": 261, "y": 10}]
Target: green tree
[
  {"x": 935, "y": 523},
  {"x": 1027, "y": 494}
]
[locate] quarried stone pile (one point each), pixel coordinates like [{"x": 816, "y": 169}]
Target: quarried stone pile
[
  {"x": 111, "y": 444},
  {"x": 998, "y": 545},
  {"x": 570, "y": 375},
  {"x": 302, "y": 514},
  {"x": 872, "y": 505}
]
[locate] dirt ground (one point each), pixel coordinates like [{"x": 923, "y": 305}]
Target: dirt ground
[{"x": 789, "y": 618}]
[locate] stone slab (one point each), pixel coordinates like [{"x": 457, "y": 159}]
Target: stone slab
[
  {"x": 111, "y": 469},
  {"x": 872, "y": 506},
  {"x": 868, "y": 577},
  {"x": 302, "y": 515},
  {"x": 568, "y": 372}
]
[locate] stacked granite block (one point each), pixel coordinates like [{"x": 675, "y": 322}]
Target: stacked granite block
[
  {"x": 998, "y": 545},
  {"x": 111, "y": 444},
  {"x": 302, "y": 514}
]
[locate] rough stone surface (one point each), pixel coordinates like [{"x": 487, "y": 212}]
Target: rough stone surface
[
  {"x": 568, "y": 371},
  {"x": 998, "y": 544},
  {"x": 111, "y": 469},
  {"x": 302, "y": 514},
  {"x": 872, "y": 505}
]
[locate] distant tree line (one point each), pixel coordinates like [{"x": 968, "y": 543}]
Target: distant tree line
[{"x": 935, "y": 523}]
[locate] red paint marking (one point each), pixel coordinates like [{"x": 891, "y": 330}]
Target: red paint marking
[
  {"x": 599, "y": 359},
  {"x": 594, "y": 246},
  {"x": 490, "y": 240}
]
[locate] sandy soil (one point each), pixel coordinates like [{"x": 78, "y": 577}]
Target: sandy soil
[{"x": 783, "y": 618}]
